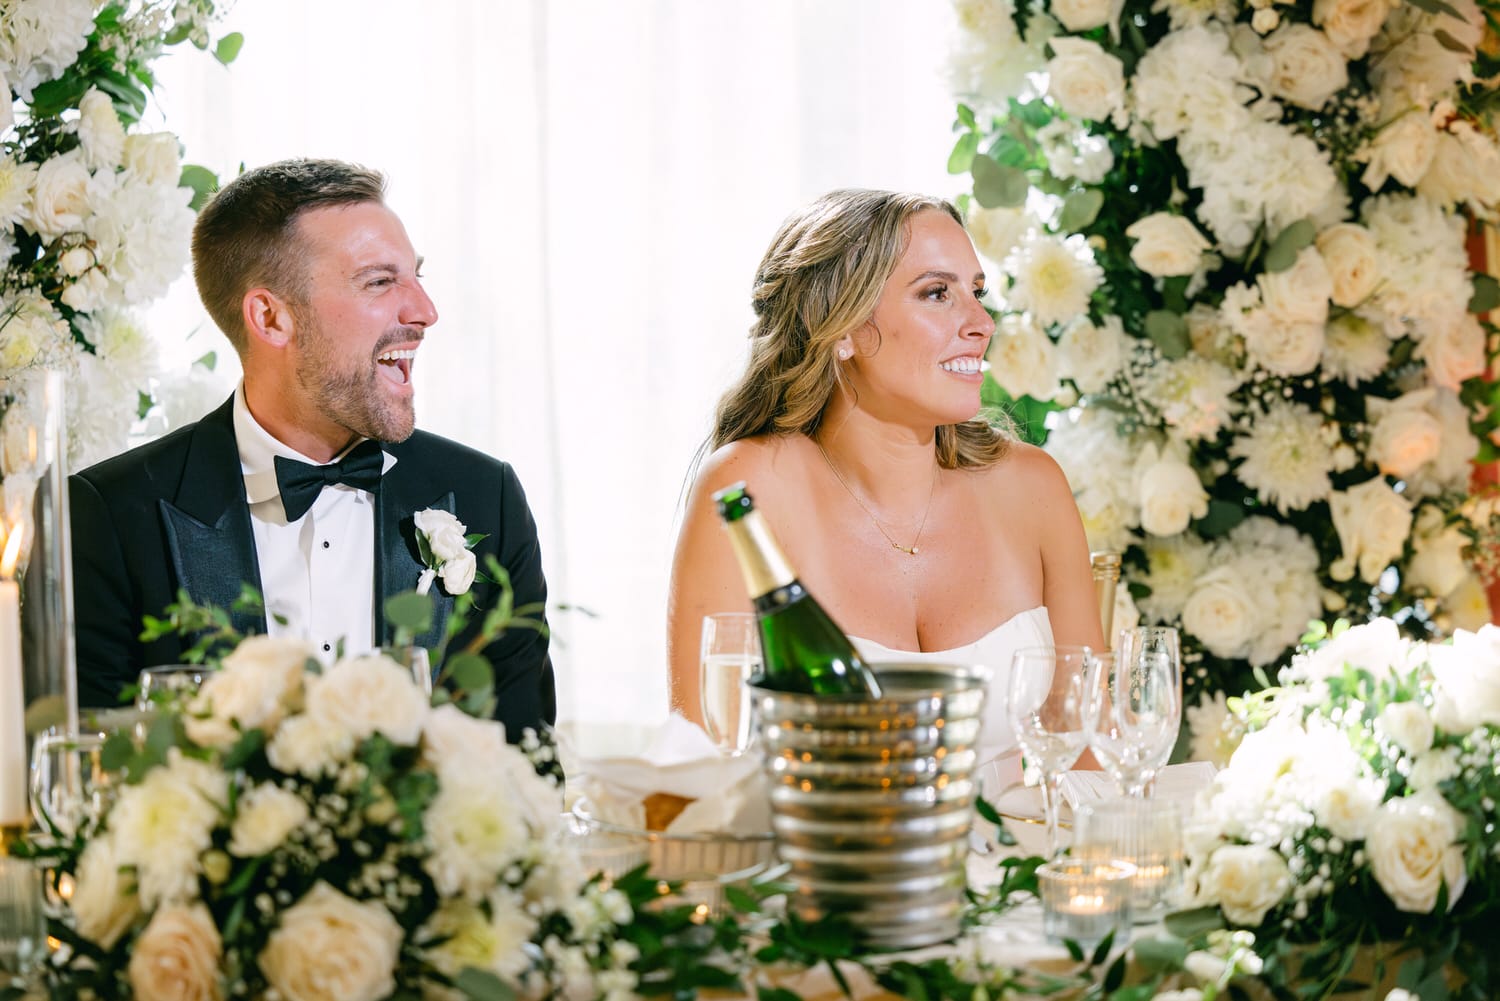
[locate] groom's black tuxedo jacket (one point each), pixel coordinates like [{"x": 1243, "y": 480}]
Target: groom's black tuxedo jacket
[{"x": 172, "y": 514}]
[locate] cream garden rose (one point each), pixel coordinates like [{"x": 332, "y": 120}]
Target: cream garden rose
[
  {"x": 1086, "y": 81},
  {"x": 1023, "y": 360},
  {"x": 1414, "y": 851},
  {"x": 60, "y": 196},
  {"x": 152, "y": 156},
  {"x": 1085, "y": 15},
  {"x": 104, "y": 901},
  {"x": 1353, "y": 260},
  {"x": 1402, "y": 149},
  {"x": 1373, "y": 522},
  {"x": 1221, "y": 613},
  {"x": 265, "y": 815},
  {"x": 1166, "y": 245},
  {"x": 177, "y": 957},
  {"x": 1350, "y": 24},
  {"x": 1246, "y": 881},
  {"x": 369, "y": 695},
  {"x": 330, "y": 947},
  {"x": 1307, "y": 69},
  {"x": 1171, "y": 495},
  {"x": 1405, "y": 435}
]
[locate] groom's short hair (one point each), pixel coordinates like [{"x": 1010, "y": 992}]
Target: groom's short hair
[{"x": 245, "y": 236}]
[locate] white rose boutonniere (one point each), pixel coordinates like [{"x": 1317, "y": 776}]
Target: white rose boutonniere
[{"x": 445, "y": 550}]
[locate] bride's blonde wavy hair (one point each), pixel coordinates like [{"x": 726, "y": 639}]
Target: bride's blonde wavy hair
[{"x": 820, "y": 281}]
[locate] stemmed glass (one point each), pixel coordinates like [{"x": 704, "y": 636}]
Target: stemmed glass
[
  {"x": 730, "y": 657},
  {"x": 1142, "y": 712},
  {"x": 1053, "y": 701}
]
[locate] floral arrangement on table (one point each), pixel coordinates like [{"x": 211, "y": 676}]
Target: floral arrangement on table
[
  {"x": 1230, "y": 243},
  {"x": 1360, "y": 809},
  {"x": 95, "y": 214},
  {"x": 329, "y": 833}
]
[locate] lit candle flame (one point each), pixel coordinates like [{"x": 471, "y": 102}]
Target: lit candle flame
[{"x": 12, "y": 550}]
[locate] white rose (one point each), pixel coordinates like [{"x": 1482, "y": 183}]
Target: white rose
[
  {"x": 1454, "y": 351},
  {"x": 1092, "y": 354},
  {"x": 458, "y": 573},
  {"x": 1353, "y": 261},
  {"x": 264, "y": 817},
  {"x": 1350, "y": 24},
  {"x": 453, "y": 737},
  {"x": 60, "y": 198},
  {"x": 1468, "y": 680},
  {"x": 1281, "y": 345},
  {"x": 1301, "y": 293},
  {"x": 76, "y": 261},
  {"x": 1432, "y": 768},
  {"x": 1373, "y": 522},
  {"x": 309, "y": 745},
  {"x": 1465, "y": 168},
  {"x": 1221, "y": 613},
  {"x": 1413, "y": 851},
  {"x": 1084, "y": 15},
  {"x": 444, "y": 532},
  {"x": 1171, "y": 495},
  {"x": 1437, "y": 564},
  {"x": 104, "y": 901},
  {"x": 996, "y": 232},
  {"x": 1402, "y": 149},
  {"x": 1405, "y": 435},
  {"x": 1084, "y": 80},
  {"x": 1023, "y": 360},
  {"x": 368, "y": 695},
  {"x": 1308, "y": 69},
  {"x": 255, "y": 687},
  {"x": 153, "y": 157},
  {"x": 100, "y": 134},
  {"x": 1246, "y": 881},
  {"x": 1408, "y": 725},
  {"x": 329, "y": 947},
  {"x": 1166, "y": 245},
  {"x": 177, "y": 957}
]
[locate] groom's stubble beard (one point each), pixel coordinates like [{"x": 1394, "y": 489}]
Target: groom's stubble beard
[{"x": 348, "y": 390}]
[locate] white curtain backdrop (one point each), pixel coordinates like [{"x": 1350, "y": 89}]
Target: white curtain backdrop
[{"x": 592, "y": 183}]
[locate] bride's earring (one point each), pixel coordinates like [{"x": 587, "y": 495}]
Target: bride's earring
[{"x": 845, "y": 354}]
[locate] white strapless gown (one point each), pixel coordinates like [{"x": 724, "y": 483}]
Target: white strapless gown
[{"x": 993, "y": 653}]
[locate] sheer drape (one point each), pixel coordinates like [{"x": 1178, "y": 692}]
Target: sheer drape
[{"x": 592, "y": 184}]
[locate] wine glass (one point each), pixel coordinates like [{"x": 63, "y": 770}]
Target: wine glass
[
  {"x": 69, "y": 784},
  {"x": 730, "y": 657},
  {"x": 168, "y": 682},
  {"x": 1138, "y": 719},
  {"x": 1053, "y": 702},
  {"x": 1145, "y": 702}
]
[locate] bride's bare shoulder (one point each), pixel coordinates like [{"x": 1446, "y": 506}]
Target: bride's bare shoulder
[
  {"x": 763, "y": 462},
  {"x": 1026, "y": 467}
]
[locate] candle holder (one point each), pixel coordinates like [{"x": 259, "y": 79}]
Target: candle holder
[
  {"x": 23, "y": 923},
  {"x": 1085, "y": 900},
  {"x": 1147, "y": 833}
]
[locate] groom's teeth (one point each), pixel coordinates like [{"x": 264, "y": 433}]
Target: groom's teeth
[{"x": 408, "y": 354}]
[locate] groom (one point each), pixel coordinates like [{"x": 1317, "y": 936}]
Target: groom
[{"x": 304, "y": 484}]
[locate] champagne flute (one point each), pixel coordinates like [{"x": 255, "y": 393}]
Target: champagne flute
[
  {"x": 730, "y": 657},
  {"x": 1138, "y": 720},
  {"x": 1053, "y": 702},
  {"x": 1148, "y": 702}
]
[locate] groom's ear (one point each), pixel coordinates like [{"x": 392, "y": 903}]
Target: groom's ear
[{"x": 268, "y": 317}]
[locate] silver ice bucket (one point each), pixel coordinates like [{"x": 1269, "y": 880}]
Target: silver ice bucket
[{"x": 871, "y": 800}]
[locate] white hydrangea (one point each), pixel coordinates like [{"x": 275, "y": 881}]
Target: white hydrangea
[
  {"x": 38, "y": 41},
  {"x": 1092, "y": 354},
  {"x": 1423, "y": 259},
  {"x": 140, "y": 232},
  {"x": 1023, "y": 359},
  {"x": 163, "y": 824},
  {"x": 1173, "y": 567}
]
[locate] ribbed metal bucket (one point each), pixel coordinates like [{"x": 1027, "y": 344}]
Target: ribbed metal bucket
[{"x": 871, "y": 800}]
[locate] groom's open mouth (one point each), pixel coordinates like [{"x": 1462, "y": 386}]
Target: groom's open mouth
[{"x": 396, "y": 365}]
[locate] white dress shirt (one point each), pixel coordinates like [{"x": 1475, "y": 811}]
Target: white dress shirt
[{"x": 317, "y": 573}]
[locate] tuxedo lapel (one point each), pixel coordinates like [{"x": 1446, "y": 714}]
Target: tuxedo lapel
[
  {"x": 398, "y": 562},
  {"x": 207, "y": 523}
]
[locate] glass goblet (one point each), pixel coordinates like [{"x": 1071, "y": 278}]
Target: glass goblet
[
  {"x": 1052, "y": 702},
  {"x": 1148, "y": 696},
  {"x": 730, "y": 657},
  {"x": 69, "y": 785},
  {"x": 174, "y": 683}
]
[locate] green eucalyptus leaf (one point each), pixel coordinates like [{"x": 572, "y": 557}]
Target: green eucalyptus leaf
[
  {"x": 962, "y": 156},
  {"x": 1450, "y": 43},
  {"x": 1222, "y": 516},
  {"x": 1169, "y": 332},
  {"x": 1198, "y": 921},
  {"x": 470, "y": 671},
  {"x": 229, "y": 47},
  {"x": 1486, "y": 294},
  {"x": 966, "y": 117},
  {"x": 409, "y": 610},
  {"x": 203, "y": 181},
  {"x": 482, "y": 985},
  {"x": 1080, "y": 209},
  {"x": 1290, "y": 242},
  {"x": 997, "y": 186},
  {"x": 117, "y": 751}
]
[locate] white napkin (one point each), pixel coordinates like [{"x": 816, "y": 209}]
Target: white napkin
[
  {"x": 730, "y": 794},
  {"x": 1173, "y": 782}
]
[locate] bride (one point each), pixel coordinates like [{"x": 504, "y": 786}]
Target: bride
[{"x": 926, "y": 531}]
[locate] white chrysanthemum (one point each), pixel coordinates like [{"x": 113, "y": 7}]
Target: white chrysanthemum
[
  {"x": 100, "y": 410},
  {"x": 15, "y": 190},
  {"x": 1173, "y": 567},
  {"x": 1355, "y": 349},
  {"x": 1088, "y": 448},
  {"x": 1215, "y": 733},
  {"x": 474, "y": 834},
  {"x": 1192, "y": 394},
  {"x": 1091, "y": 354},
  {"x": 1052, "y": 278},
  {"x": 470, "y": 939},
  {"x": 41, "y": 39},
  {"x": 141, "y": 234},
  {"x": 1286, "y": 459},
  {"x": 1023, "y": 360},
  {"x": 165, "y": 823},
  {"x": 119, "y": 338}
]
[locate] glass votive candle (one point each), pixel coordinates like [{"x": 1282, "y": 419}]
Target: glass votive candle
[
  {"x": 1084, "y": 900},
  {"x": 1147, "y": 833}
]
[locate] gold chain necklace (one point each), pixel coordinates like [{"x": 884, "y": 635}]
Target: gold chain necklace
[{"x": 910, "y": 550}]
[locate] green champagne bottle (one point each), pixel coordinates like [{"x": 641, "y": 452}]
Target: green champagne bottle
[{"x": 802, "y": 650}]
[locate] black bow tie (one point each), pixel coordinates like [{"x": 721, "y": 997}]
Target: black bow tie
[{"x": 300, "y": 483}]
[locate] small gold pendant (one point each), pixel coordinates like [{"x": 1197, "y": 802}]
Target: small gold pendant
[{"x": 908, "y": 550}]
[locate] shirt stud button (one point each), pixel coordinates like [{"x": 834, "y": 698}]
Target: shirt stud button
[
  {"x": 326, "y": 543},
  {"x": 327, "y": 647}
]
